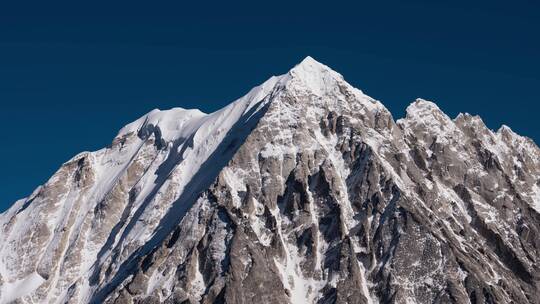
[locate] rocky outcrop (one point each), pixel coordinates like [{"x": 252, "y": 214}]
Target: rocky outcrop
[{"x": 304, "y": 191}]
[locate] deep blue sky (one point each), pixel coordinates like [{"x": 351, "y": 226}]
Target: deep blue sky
[{"x": 73, "y": 73}]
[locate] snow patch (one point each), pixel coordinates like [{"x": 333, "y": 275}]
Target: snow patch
[
  {"x": 535, "y": 196},
  {"x": 20, "y": 288}
]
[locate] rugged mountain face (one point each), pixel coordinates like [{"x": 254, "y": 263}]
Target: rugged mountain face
[{"x": 303, "y": 191}]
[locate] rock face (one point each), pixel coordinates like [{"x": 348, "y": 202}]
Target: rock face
[{"x": 303, "y": 191}]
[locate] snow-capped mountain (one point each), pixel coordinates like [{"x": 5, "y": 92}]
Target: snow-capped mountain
[{"x": 303, "y": 191}]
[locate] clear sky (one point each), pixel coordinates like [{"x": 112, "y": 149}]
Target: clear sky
[{"x": 73, "y": 73}]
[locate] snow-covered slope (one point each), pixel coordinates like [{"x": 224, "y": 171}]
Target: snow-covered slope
[{"x": 304, "y": 190}]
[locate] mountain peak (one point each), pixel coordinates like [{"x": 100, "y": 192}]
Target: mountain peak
[
  {"x": 422, "y": 109},
  {"x": 310, "y": 62},
  {"x": 313, "y": 75},
  {"x": 263, "y": 191},
  {"x": 421, "y": 105},
  {"x": 310, "y": 66}
]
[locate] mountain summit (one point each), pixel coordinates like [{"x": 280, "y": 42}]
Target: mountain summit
[{"x": 303, "y": 191}]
